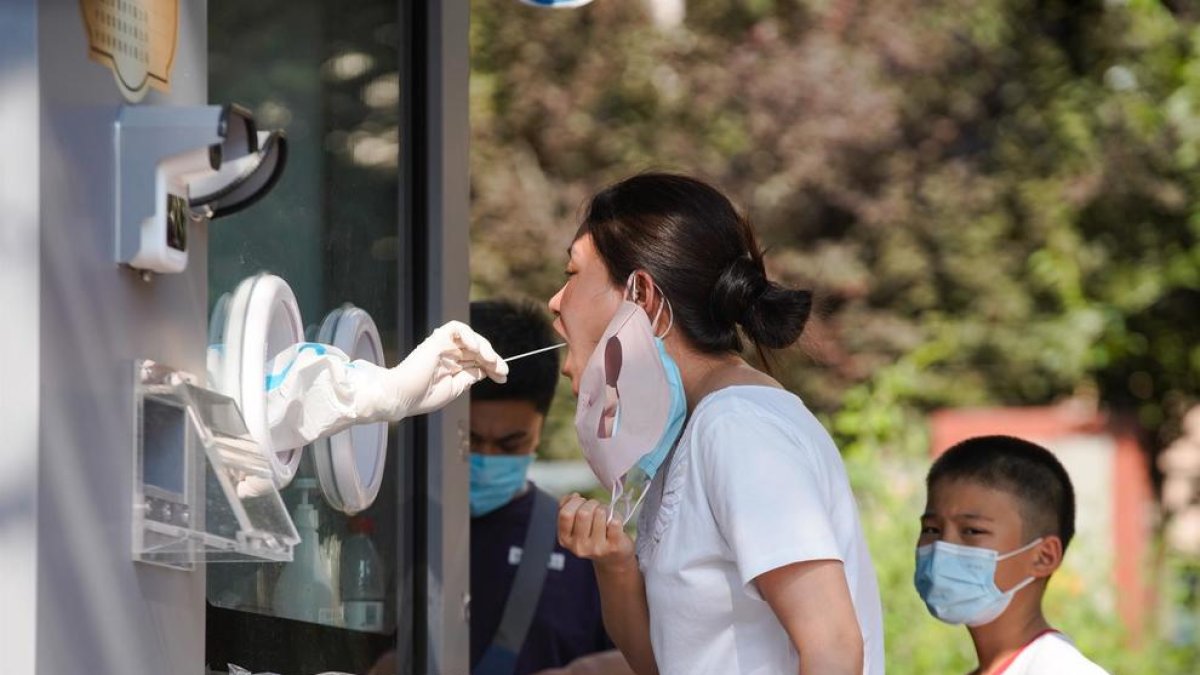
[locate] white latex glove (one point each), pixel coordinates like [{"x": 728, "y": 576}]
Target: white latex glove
[
  {"x": 438, "y": 371},
  {"x": 317, "y": 391}
]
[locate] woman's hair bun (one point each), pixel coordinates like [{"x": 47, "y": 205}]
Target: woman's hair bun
[
  {"x": 737, "y": 289},
  {"x": 771, "y": 315},
  {"x": 778, "y": 318}
]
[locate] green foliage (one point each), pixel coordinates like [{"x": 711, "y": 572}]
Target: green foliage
[
  {"x": 999, "y": 179},
  {"x": 996, "y": 201}
]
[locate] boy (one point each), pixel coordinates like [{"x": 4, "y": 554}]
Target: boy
[{"x": 999, "y": 515}]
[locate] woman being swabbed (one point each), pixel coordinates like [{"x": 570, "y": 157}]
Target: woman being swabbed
[{"x": 750, "y": 556}]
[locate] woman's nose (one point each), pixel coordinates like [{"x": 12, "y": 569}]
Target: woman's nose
[{"x": 555, "y": 303}]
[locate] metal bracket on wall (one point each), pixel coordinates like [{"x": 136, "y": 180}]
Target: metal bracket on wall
[{"x": 177, "y": 165}]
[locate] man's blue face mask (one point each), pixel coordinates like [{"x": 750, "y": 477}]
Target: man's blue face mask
[
  {"x": 495, "y": 480},
  {"x": 958, "y": 583}
]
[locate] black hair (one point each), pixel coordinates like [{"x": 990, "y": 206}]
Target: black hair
[
  {"x": 515, "y": 328},
  {"x": 704, "y": 256},
  {"x": 1023, "y": 469}
]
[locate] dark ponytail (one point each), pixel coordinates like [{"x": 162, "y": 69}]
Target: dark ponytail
[{"x": 703, "y": 255}]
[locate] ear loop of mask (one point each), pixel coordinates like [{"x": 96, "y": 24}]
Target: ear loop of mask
[
  {"x": 631, "y": 292},
  {"x": 1019, "y": 551},
  {"x": 1027, "y": 580},
  {"x": 618, "y": 491}
]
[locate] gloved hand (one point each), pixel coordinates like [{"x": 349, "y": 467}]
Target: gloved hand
[
  {"x": 438, "y": 371},
  {"x": 315, "y": 390}
]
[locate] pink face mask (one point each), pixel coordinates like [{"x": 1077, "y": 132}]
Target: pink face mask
[{"x": 631, "y": 405}]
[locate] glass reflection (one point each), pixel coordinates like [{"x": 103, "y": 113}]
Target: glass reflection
[{"x": 332, "y": 229}]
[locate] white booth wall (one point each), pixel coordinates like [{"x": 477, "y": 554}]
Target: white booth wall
[{"x": 74, "y": 600}]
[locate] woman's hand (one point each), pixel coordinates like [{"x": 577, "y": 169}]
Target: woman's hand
[{"x": 585, "y": 530}]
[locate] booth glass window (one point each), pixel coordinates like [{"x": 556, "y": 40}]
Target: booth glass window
[{"x": 334, "y": 230}]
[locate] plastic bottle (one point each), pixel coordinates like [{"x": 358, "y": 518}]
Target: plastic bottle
[
  {"x": 363, "y": 584},
  {"x": 304, "y": 590}
]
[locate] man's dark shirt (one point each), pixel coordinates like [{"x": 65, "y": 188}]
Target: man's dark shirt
[{"x": 567, "y": 623}]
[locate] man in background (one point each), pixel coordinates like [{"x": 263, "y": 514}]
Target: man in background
[{"x": 528, "y": 614}]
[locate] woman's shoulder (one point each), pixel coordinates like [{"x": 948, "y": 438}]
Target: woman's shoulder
[
  {"x": 749, "y": 402},
  {"x": 748, "y": 412},
  {"x": 759, "y": 418}
]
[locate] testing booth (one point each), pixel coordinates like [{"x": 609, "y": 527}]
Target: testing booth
[{"x": 186, "y": 189}]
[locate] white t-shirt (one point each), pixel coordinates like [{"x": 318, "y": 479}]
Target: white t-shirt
[
  {"x": 1052, "y": 654},
  {"x": 755, "y": 483}
]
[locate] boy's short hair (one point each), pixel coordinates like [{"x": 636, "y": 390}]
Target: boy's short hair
[
  {"x": 1025, "y": 470},
  {"x": 515, "y": 327}
]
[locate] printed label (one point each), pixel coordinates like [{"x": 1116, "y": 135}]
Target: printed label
[{"x": 135, "y": 39}]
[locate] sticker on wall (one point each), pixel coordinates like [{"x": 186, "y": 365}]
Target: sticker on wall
[{"x": 135, "y": 39}]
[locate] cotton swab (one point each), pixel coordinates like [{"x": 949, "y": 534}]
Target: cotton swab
[{"x": 510, "y": 359}]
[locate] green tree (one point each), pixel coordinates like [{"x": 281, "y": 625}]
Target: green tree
[{"x": 996, "y": 202}]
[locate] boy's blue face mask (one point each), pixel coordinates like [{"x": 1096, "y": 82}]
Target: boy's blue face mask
[
  {"x": 495, "y": 480},
  {"x": 958, "y": 583}
]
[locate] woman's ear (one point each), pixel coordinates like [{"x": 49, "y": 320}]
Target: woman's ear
[
  {"x": 649, "y": 297},
  {"x": 643, "y": 290},
  {"x": 1048, "y": 555}
]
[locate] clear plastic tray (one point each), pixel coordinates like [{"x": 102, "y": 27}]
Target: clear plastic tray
[{"x": 203, "y": 490}]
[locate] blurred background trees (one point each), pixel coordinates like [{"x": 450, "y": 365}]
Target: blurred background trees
[{"x": 996, "y": 201}]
